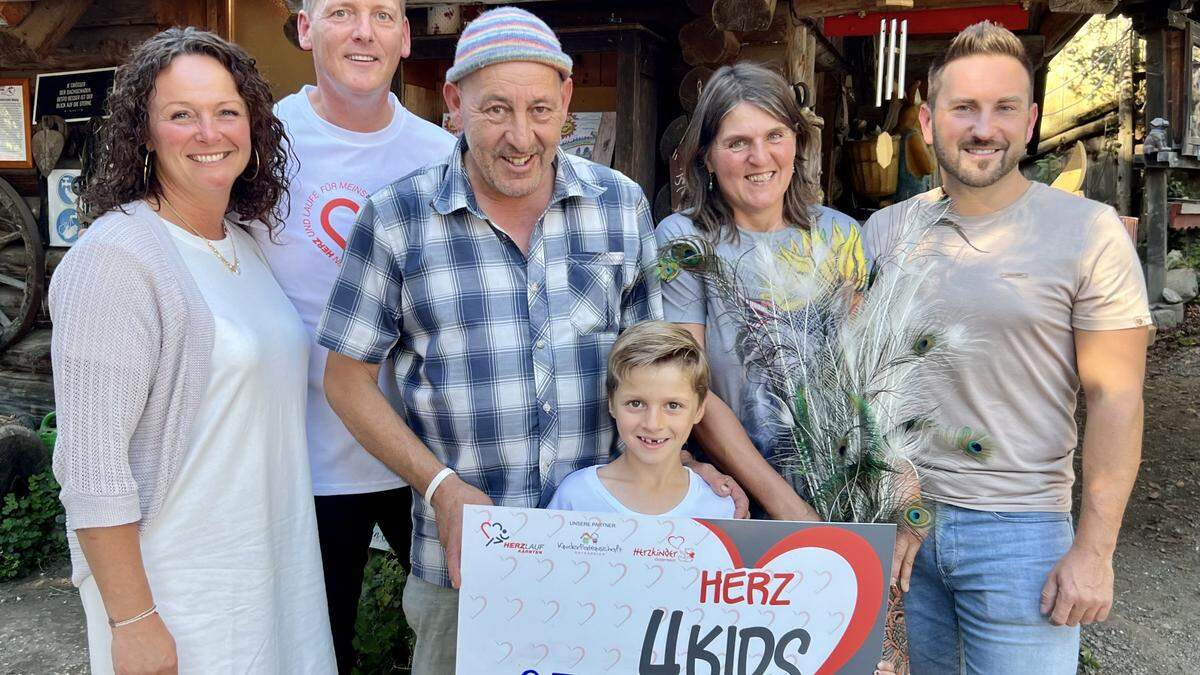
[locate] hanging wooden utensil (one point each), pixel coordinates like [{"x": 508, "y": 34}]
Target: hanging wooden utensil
[{"x": 48, "y": 143}]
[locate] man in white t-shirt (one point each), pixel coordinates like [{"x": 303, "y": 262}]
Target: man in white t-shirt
[{"x": 351, "y": 136}]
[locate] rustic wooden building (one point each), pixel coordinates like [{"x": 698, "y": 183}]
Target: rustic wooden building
[{"x": 642, "y": 60}]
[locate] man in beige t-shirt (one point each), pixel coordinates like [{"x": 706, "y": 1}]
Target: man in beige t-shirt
[{"x": 1050, "y": 287}]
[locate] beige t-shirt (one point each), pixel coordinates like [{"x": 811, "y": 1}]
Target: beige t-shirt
[{"x": 1030, "y": 275}]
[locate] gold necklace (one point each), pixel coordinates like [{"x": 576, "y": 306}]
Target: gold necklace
[{"x": 232, "y": 267}]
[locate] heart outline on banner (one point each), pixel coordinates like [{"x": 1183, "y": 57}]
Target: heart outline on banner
[{"x": 868, "y": 575}]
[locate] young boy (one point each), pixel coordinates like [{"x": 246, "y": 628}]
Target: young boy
[{"x": 657, "y": 383}]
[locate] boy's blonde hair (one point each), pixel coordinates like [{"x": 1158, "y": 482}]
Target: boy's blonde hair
[
  {"x": 656, "y": 343},
  {"x": 982, "y": 38}
]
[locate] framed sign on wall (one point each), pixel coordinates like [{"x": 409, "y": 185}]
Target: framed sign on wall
[{"x": 16, "y": 118}]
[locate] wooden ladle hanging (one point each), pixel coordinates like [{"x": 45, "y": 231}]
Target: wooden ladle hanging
[{"x": 48, "y": 143}]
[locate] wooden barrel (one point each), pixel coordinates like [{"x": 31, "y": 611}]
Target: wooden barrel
[{"x": 867, "y": 176}]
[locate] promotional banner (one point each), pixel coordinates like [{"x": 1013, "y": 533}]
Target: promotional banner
[{"x": 570, "y": 593}]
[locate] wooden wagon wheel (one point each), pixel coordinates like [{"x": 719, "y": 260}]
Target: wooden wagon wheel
[{"x": 22, "y": 267}]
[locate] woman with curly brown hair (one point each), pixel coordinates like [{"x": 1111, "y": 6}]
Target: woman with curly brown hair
[{"x": 179, "y": 371}]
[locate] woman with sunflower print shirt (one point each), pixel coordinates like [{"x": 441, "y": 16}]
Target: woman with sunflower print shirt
[{"x": 746, "y": 195}]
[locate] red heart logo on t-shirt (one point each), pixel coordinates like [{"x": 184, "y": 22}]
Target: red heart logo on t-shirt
[{"x": 340, "y": 202}]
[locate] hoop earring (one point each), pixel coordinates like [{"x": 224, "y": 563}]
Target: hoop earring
[
  {"x": 256, "y": 167},
  {"x": 146, "y": 170}
]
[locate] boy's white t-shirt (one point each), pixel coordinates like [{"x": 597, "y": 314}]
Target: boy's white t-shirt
[
  {"x": 338, "y": 169},
  {"x": 584, "y": 491}
]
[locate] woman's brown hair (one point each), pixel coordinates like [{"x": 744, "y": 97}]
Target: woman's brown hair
[
  {"x": 117, "y": 175},
  {"x": 729, "y": 87}
]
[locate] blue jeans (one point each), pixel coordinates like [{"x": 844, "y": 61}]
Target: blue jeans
[{"x": 975, "y": 594}]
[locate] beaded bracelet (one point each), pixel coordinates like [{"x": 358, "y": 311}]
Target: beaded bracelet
[{"x": 117, "y": 624}]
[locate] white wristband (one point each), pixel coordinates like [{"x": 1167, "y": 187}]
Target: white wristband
[{"x": 433, "y": 484}]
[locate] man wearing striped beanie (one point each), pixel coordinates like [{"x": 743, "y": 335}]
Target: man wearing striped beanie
[{"x": 499, "y": 279}]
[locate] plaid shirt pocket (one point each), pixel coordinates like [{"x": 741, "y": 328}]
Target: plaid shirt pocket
[{"x": 595, "y": 282}]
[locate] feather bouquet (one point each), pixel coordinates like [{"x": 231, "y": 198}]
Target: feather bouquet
[{"x": 848, "y": 357}]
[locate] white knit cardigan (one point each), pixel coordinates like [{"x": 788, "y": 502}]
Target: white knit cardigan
[{"x": 131, "y": 347}]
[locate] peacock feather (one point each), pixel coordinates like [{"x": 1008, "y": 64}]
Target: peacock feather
[{"x": 849, "y": 355}]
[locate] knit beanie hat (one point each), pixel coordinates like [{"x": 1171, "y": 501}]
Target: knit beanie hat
[{"x": 506, "y": 34}]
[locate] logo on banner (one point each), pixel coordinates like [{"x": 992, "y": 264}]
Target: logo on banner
[
  {"x": 328, "y": 215},
  {"x": 588, "y": 541},
  {"x": 675, "y": 550},
  {"x": 494, "y": 533}
]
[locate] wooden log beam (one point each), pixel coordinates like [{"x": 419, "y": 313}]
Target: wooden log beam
[
  {"x": 83, "y": 49},
  {"x": 1083, "y": 6},
  {"x": 829, "y": 55},
  {"x": 776, "y": 32},
  {"x": 13, "y": 13},
  {"x": 26, "y": 393},
  {"x": 1081, "y": 132},
  {"x": 671, "y": 137},
  {"x": 180, "y": 12},
  {"x": 691, "y": 85},
  {"x": 1058, "y": 29},
  {"x": 41, "y": 30},
  {"x": 819, "y": 8},
  {"x": 30, "y": 354},
  {"x": 743, "y": 15},
  {"x": 702, "y": 43}
]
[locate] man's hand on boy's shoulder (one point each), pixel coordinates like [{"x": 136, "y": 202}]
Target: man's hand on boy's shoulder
[{"x": 720, "y": 483}]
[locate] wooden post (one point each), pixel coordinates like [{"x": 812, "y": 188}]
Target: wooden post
[
  {"x": 743, "y": 15},
  {"x": 1039, "y": 95},
  {"x": 800, "y": 55},
  {"x": 1154, "y": 196},
  {"x": 1125, "y": 123},
  {"x": 1154, "y": 215},
  {"x": 637, "y": 131}
]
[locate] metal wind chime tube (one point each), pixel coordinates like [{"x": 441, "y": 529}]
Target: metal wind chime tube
[
  {"x": 889, "y": 80},
  {"x": 882, "y": 56},
  {"x": 891, "y": 60}
]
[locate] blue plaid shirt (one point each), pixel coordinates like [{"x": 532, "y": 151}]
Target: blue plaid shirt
[{"x": 500, "y": 359}]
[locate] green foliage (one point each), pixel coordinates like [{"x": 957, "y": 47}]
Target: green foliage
[
  {"x": 1088, "y": 663},
  {"x": 382, "y": 638},
  {"x": 31, "y": 528},
  {"x": 1189, "y": 246},
  {"x": 1181, "y": 188},
  {"x": 1048, "y": 168}
]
